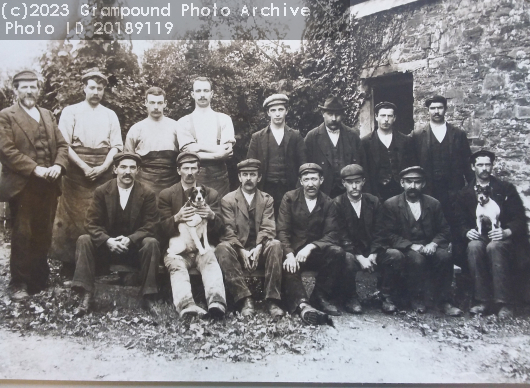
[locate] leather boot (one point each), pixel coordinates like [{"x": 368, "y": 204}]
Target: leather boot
[
  {"x": 388, "y": 306},
  {"x": 248, "y": 310},
  {"x": 19, "y": 292},
  {"x": 84, "y": 306},
  {"x": 353, "y": 306},
  {"x": 275, "y": 311},
  {"x": 319, "y": 300}
]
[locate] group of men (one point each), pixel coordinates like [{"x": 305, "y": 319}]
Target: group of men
[{"x": 332, "y": 202}]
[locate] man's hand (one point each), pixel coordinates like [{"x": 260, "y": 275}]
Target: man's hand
[
  {"x": 473, "y": 234},
  {"x": 185, "y": 214},
  {"x": 499, "y": 234},
  {"x": 125, "y": 241},
  {"x": 430, "y": 248},
  {"x": 417, "y": 247},
  {"x": 244, "y": 254},
  {"x": 40, "y": 172},
  {"x": 116, "y": 246},
  {"x": 53, "y": 172},
  {"x": 365, "y": 262},
  {"x": 95, "y": 172},
  {"x": 302, "y": 255},
  {"x": 205, "y": 212},
  {"x": 254, "y": 256},
  {"x": 228, "y": 151},
  {"x": 291, "y": 264}
]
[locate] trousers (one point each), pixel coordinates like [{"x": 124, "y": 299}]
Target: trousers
[
  {"x": 270, "y": 259},
  {"x": 89, "y": 259},
  {"x": 212, "y": 278}
]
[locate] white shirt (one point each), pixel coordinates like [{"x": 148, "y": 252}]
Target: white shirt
[
  {"x": 386, "y": 139},
  {"x": 415, "y": 208},
  {"x": 357, "y": 207},
  {"x": 33, "y": 112},
  {"x": 334, "y": 136},
  {"x": 278, "y": 134},
  {"x": 248, "y": 197},
  {"x": 311, "y": 203},
  {"x": 439, "y": 130},
  {"x": 124, "y": 195},
  {"x": 205, "y": 125},
  {"x": 149, "y": 135}
]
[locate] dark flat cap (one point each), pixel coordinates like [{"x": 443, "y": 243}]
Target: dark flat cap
[
  {"x": 385, "y": 105},
  {"x": 412, "y": 170},
  {"x": 436, "y": 98},
  {"x": 482, "y": 152},
  {"x": 309, "y": 167},
  {"x": 351, "y": 170},
  {"x": 333, "y": 103},
  {"x": 187, "y": 157},
  {"x": 25, "y": 75},
  {"x": 127, "y": 155},
  {"x": 94, "y": 72},
  {"x": 275, "y": 99},
  {"x": 249, "y": 165}
]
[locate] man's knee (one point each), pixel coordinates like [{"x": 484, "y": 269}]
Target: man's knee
[
  {"x": 275, "y": 250},
  {"x": 150, "y": 243},
  {"x": 84, "y": 240},
  {"x": 475, "y": 246},
  {"x": 174, "y": 263},
  {"x": 351, "y": 263},
  {"x": 496, "y": 247},
  {"x": 225, "y": 253},
  {"x": 336, "y": 253},
  {"x": 415, "y": 259},
  {"x": 443, "y": 256},
  {"x": 392, "y": 257}
]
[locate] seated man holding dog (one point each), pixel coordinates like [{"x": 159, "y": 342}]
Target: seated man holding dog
[
  {"x": 176, "y": 208},
  {"x": 248, "y": 214},
  {"x": 492, "y": 254},
  {"x": 121, "y": 224},
  {"x": 308, "y": 230}
]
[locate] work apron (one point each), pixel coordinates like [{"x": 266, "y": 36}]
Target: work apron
[{"x": 159, "y": 170}]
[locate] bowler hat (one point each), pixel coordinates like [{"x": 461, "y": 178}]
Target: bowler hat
[
  {"x": 385, "y": 105},
  {"x": 309, "y": 167},
  {"x": 275, "y": 99},
  {"x": 25, "y": 75},
  {"x": 412, "y": 170},
  {"x": 249, "y": 165},
  {"x": 94, "y": 72},
  {"x": 436, "y": 98},
  {"x": 187, "y": 157},
  {"x": 333, "y": 103},
  {"x": 482, "y": 152},
  {"x": 127, "y": 155},
  {"x": 351, "y": 170}
]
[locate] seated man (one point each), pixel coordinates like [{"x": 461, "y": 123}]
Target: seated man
[
  {"x": 357, "y": 214},
  {"x": 493, "y": 254},
  {"x": 248, "y": 214},
  {"x": 171, "y": 203},
  {"x": 307, "y": 228},
  {"x": 121, "y": 223},
  {"x": 416, "y": 236}
]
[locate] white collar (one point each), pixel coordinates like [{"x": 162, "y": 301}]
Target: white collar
[
  {"x": 248, "y": 197},
  {"x": 33, "y": 112}
]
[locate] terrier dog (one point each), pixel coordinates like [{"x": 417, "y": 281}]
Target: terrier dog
[
  {"x": 191, "y": 232},
  {"x": 488, "y": 211}
]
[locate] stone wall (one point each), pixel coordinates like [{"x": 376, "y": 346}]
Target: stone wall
[{"x": 477, "y": 54}]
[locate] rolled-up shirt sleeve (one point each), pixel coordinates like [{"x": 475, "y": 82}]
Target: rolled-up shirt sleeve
[{"x": 115, "y": 139}]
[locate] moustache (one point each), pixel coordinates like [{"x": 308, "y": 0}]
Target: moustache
[{"x": 413, "y": 191}]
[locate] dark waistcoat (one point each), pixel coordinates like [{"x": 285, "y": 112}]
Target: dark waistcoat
[{"x": 276, "y": 162}]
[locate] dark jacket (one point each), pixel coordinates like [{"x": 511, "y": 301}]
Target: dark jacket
[
  {"x": 395, "y": 224},
  {"x": 401, "y": 148},
  {"x": 348, "y": 236},
  {"x": 17, "y": 149},
  {"x": 170, "y": 201},
  {"x": 297, "y": 227},
  {"x": 236, "y": 218},
  {"x": 459, "y": 153},
  {"x": 512, "y": 214},
  {"x": 295, "y": 153},
  {"x": 100, "y": 216},
  {"x": 319, "y": 151}
]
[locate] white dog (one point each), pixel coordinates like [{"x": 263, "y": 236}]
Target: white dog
[
  {"x": 191, "y": 232},
  {"x": 488, "y": 211}
]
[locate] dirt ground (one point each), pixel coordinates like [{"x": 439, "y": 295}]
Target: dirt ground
[{"x": 41, "y": 340}]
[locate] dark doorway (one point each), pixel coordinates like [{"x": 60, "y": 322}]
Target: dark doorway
[{"x": 398, "y": 89}]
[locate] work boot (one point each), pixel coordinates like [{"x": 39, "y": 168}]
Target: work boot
[
  {"x": 480, "y": 308},
  {"x": 321, "y": 302},
  {"x": 388, "y": 306},
  {"x": 274, "y": 310},
  {"x": 192, "y": 310},
  {"x": 353, "y": 306},
  {"x": 451, "y": 310},
  {"x": 19, "y": 292},
  {"x": 149, "y": 303},
  {"x": 312, "y": 316},
  {"x": 216, "y": 310},
  {"x": 84, "y": 306},
  {"x": 505, "y": 312},
  {"x": 248, "y": 309},
  {"x": 418, "y": 306}
]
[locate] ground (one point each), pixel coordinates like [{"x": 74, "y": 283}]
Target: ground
[{"x": 40, "y": 339}]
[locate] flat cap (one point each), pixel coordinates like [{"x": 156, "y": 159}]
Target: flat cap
[
  {"x": 482, "y": 152},
  {"x": 309, "y": 167},
  {"x": 25, "y": 75},
  {"x": 333, "y": 103},
  {"x": 127, "y": 155},
  {"x": 412, "y": 170},
  {"x": 275, "y": 99},
  {"x": 436, "y": 98},
  {"x": 351, "y": 170},
  {"x": 385, "y": 105},
  {"x": 94, "y": 72},
  {"x": 249, "y": 165},
  {"x": 187, "y": 157}
]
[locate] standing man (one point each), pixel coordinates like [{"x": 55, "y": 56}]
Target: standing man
[
  {"x": 173, "y": 212},
  {"x": 307, "y": 229},
  {"x": 493, "y": 256},
  {"x": 333, "y": 146},
  {"x": 210, "y": 134},
  {"x": 387, "y": 151},
  {"x": 121, "y": 224},
  {"x": 94, "y": 137},
  {"x": 33, "y": 154},
  {"x": 280, "y": 149},
  {"x": 416, "y": 236},
  {"x": 155, "y": 140},
  {"x": 357, "y": 214},
  {"x": 248, "y": 214},
  {"x": 443, "y": 152}
]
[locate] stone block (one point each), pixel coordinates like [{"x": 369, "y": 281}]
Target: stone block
[
  {"x": 522, "y": 112},
  {"x": 425, "y": 42},
  {"x": 455, "y": 96},
  {"x": 493, "y": 83},
  {"x": 473, "y": 33}
]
